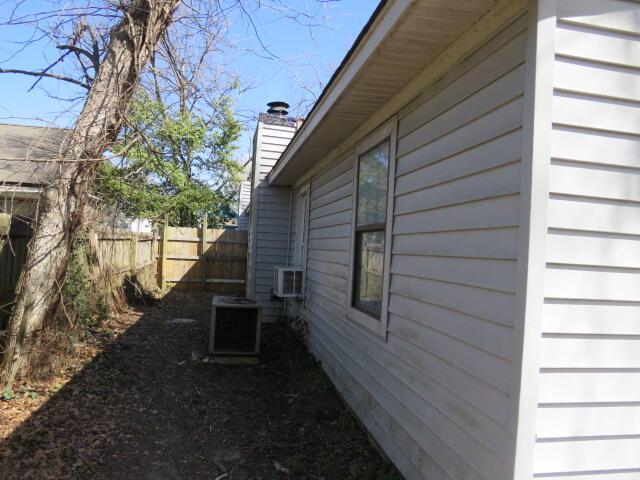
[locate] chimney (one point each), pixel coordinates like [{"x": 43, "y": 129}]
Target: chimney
[{"x": 274, "y": 131}]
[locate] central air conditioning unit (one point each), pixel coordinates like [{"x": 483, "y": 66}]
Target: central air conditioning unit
[
  {"x": 235, "y": 330},
  {"x": 288, "y": 282}
]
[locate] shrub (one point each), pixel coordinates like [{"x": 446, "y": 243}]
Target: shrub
[{"x": 83, "y": 302}]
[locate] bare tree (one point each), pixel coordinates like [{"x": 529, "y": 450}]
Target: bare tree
[
  {"x": 131, "y": 43},
  {"x": 105, "y": 64}
]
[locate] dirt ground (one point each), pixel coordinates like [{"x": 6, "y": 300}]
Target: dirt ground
[{"x": 137, "y": 403}]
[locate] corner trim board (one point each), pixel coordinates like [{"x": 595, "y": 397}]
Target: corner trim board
[
  {"x": 255, "y": 208},
  {"x": 537, "y": 124}
]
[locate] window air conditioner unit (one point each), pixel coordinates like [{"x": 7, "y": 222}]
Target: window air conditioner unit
[
  {"x": 288, "y": 282},
  {"x": 235, "y": 330}
]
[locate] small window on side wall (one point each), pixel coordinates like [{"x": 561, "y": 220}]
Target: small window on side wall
[
  {"x": 373, "y": 207},
  {"x": 371, "y": 219}
]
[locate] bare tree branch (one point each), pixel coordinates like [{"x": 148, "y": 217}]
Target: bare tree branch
[{"x": 57, "y": 76}]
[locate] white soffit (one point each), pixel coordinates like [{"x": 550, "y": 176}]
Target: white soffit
[{"x": 402, "y": 39}]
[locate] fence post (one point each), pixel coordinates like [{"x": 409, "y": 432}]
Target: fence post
[
  {"x": 163, "y": 258},
  {"x": 153, "y": 255},
  {"x": 133, "y": 254},
  {"x": 203, "y": 252}
]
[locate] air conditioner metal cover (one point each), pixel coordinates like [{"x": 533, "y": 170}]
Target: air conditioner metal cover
[{"x": 235, "y": 327}]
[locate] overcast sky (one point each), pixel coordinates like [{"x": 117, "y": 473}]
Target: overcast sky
[{"x": 302, "y": 60}]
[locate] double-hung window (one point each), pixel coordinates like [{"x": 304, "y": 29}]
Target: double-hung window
[{"x": 372, "y": 220}]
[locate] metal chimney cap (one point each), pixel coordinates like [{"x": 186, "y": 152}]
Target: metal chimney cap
[
  {"x": 278, "y": 104},
  {"x": 278, "y": 108}
]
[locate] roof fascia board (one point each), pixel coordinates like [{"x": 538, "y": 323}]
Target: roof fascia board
[
  {"x": 387, "y": 20},
  {"x": 504, "y": 12}
]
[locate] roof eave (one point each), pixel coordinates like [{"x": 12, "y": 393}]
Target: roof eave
[{"x": 379, "y": 26}]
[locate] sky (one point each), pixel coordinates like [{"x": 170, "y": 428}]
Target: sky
[{"x": 274, "y": 57}]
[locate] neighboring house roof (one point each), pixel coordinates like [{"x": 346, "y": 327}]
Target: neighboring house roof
[
  {"x": 402, "y": 41},
  {"x": 26, "y": 152}
]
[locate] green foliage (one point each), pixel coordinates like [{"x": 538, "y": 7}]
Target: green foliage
[
  {"x": 174, "y": 162},
  {"x": 83, "y": 303},
  {"x": 7, "y": 394}
]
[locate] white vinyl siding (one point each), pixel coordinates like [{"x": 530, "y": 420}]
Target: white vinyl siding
[
  {"x": 588, "y": 418},
  {"x": 436, "y": 394},
  {"x": 269, "y": 218}
]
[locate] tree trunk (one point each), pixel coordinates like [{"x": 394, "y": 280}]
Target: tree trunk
[{"x": 131, "y": 43}]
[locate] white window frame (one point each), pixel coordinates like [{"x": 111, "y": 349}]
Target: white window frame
[{"x": 387, "y": 131}]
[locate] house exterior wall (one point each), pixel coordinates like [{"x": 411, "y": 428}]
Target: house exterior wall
[
  {"x": 269, "y": 217},
  {"x": 436, "y": 392},
  {"x": 588, "y": 417},
  {"x": 244, "y": 198}
]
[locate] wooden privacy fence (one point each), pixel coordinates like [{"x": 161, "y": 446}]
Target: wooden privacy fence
[
  {"x": 203, "y": 259},
  {"x": 206, "y": 259},
  {"x": 184, "y": 258},
  {"x": 121, "y": 251}
]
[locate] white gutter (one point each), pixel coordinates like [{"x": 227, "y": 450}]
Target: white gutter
[{"x": 20, "y": 192}]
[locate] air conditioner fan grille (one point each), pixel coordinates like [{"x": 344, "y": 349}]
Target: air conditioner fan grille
[{"x": 235, "y": 330}]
